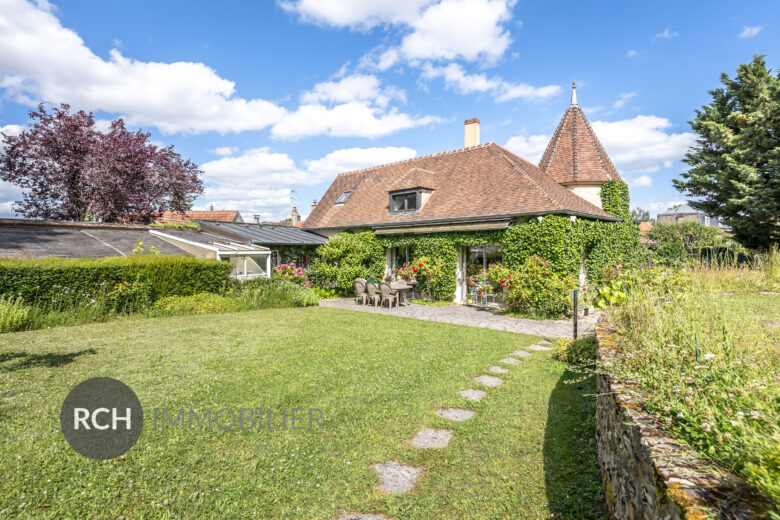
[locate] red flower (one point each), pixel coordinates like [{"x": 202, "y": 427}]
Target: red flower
[
  {"x": 421, "y": 265},
  {"x": 414, "y": 269}
]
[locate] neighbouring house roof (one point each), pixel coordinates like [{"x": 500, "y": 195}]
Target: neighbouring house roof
[
  {"x": 645, "y": 228},
  {"x": 684, "y": 209},
  {"x": 39, "y": 239},
  {"x": 469, "y": 184},
  {"x": 188, "y": 216},
  {"x": 266, "y": 235},
  {"x": 574, "y": 154}
]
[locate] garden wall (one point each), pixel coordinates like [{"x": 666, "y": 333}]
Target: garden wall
[{"x": 645, "y": 472}]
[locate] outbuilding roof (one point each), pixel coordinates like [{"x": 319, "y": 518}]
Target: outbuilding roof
[{"x": 266, "y": 235}]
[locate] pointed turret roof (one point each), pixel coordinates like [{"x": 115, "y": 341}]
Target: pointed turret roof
[{"x": 575, "y": 154}]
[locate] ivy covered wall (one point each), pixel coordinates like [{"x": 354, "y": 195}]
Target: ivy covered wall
[{"x": 556, "y": 238}]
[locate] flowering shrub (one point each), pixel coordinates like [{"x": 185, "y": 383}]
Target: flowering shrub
[
  {"x": 407, "y": 271},
  {"x": 430, "y": 274},
  {"x": 536, "y": 291},
  {"x": 291, "y": 273}
]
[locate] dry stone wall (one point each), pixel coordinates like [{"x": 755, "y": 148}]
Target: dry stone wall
[{"x": 646, "y": 473}]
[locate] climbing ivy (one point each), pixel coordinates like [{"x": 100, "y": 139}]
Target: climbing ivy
[{"x": 564, "y": 243}]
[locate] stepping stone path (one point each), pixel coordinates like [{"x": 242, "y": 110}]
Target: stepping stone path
[
  {"x": 546, "y": 342},
  {"x": 430, "y": 438},
  {"x": 396, "y": 478},
  {"x": 455, "y": 414},
  {"x": 498, "y": 370},
  {"x": 537, "y": 347},
  {"x": 489, "y": 380},
  {"x": 359, "y": 516},
  {"x": 520, "y": 353},
  {"x": 510, "y": 361},
  {"x": 473, "y": 395}
]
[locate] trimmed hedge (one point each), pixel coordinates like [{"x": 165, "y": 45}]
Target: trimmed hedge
[{"x": 48, "y": 280}]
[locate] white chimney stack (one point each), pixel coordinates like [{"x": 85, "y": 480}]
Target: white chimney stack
[
  {"x": 296, "y": 217},
  {"x": 471, "y": 132},
  {"x": 313, "y": 204}
]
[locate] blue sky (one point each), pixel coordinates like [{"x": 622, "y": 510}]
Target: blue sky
[{"x": 270, "y": 97}]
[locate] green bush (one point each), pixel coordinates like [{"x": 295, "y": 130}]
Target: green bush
[
  {"x": 345, "y": 257},
  {"x": 690, "y": 239},
  {"x": 14, "y": 315},
  {"x": 537, "y": 291},
  {"x": 201, "y": 303},
  {"x": 577, "y": 351},
  {"x": 43, "y": 282},
  {"x": 271, "y": 294}
]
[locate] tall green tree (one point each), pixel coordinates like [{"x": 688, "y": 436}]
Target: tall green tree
[{"x": 735, "y": 165}]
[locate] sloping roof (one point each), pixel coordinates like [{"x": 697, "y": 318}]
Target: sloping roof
[
  {"x": 188, "y": 216},
  {"x": 215, "y": 241},
  {"x": 266, "y": 235},
  {"x": 574, "y": 154},
  {"x": 479, "y": 181},
  {"x": 39, "y": 239}
]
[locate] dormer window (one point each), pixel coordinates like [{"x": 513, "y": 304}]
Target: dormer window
[
  {"x": 405, "y": 201},
  {"x": 344, "y": 197}
]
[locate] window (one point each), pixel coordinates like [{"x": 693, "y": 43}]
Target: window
[
  {"x": 344, "y": 197},
  {"x": 404, "y": 202}
]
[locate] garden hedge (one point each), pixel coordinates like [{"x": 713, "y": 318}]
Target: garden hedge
[{"x": 43, "y": 281}]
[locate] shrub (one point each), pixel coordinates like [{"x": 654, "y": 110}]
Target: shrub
[
  {"x": 538, "y": 292},
  {"x": 430, "y": 274},
  {"x": 14, "y": 315},
  {"x": 291, "y": 273},
  {"x": 272, "y": 294},
  {"x": 127, "y": 297},
  {"x": 42, "y": 281},
  {"x": 201, "y": 303},
  {"x": 345, "y": 257},
  {"x": 577, "y": 351}
]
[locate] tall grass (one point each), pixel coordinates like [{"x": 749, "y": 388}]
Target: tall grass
[{"x": 703, "y": 341}]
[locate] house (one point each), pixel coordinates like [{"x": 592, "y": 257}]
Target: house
[
  {"x": 22, "y": 238},
  {"x": 286, "y": 243},
  {"x": 475, "y": 188},
  {"x": 684, "y": 213},
  {"x": 185, "y": 217}
]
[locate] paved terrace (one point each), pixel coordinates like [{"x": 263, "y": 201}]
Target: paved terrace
[{"x": 471, "y": 317}]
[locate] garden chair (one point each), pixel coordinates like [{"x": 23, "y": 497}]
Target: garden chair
[
  {"x": 360, "y": 290},
  {"x": 373, "y": 297},
  {"x": 388, "y": 295}
]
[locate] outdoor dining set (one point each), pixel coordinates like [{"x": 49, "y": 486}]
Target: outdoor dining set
[{"x": 370, "y": 292}]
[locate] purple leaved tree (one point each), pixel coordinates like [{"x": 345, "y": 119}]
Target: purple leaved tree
[{"x": 70, "y": 171}]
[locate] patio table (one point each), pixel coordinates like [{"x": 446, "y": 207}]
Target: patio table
[{"x": 401, "y": 287}]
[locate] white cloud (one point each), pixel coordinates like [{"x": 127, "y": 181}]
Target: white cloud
[
  {"x": 380, "y": 58},
  {"x": 622, "y": 99},
  {"x": 357, "y": 87},
  {"x": 41, "y": 60},
  {"x": 270, "y": 204},
  {"x": 666, "y": 34},
  {"x": 750, "y": 31},
  {"x": 257, "y": 167},
  {"x": 355, "y": 14},
  {"x": 643, "y": 181},
  {"x": 355, "y": 118},
  {"x": 641, "y": 144},
  {"x": 656, "y": 207},
  {"x": 468, "y": 29},
  {"x": 349, "y": 159},
  {"x": 11, "y": 129},
  {"x": 633, "y": 54},
  {"x": 224, "y": 151},
  {"x": 529, "y": 148},
  {"x": 457, "y": 78}
]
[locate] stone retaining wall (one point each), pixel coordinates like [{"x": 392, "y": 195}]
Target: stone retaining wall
[{"x": 645, "y": 472}]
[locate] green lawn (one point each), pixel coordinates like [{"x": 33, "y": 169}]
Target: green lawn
[{"x": 528, "y": 453}]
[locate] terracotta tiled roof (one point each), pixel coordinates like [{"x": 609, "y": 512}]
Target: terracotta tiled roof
[
  {"x": 645, "y": 228},
  {"x": 188, "y": 216},
  {"x": 574, "y": 154},
  {"x": 480, "y": 181}
]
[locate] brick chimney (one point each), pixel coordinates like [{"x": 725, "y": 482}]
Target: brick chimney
[
  {"x": 296, "y": 217},
  {"x": 471, "y": 132}
]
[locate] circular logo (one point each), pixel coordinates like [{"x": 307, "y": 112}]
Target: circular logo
[{"x": 101, "y": 418}]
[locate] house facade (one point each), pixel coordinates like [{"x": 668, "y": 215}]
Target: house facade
[
  {"x": 474, "y": 189},
  {"x": 685, "y": 213}
]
